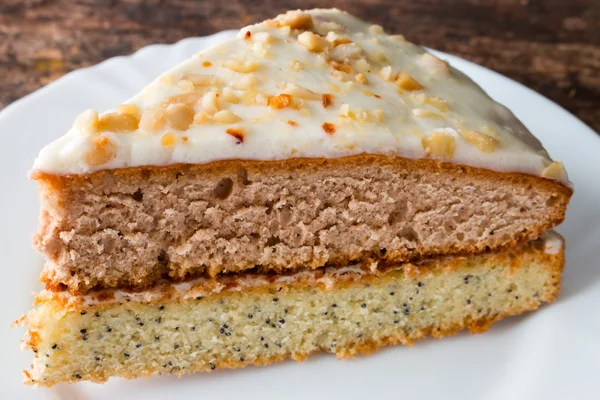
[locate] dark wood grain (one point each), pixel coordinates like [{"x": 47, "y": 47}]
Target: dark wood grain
[{"x": 552, "y": 46}]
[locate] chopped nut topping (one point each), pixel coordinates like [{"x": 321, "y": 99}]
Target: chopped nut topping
[
  {"x": 210, "y": 103},
  {"x": 555, "y": 171},
  {"x": 422, "y": 113},
  {"x": 225, "y": 117},
  {"x": 202, "y": 80},
  {"x": 185, "y": 85},
  {"x": 360, "y": 115},
  {"x": 434, "y": 64},
  {"x": 117, "y": 122},
  {"x": 301, "y": 92},
  {"x": 292, "y": 123},
  {"x": 363, "y": 66},
  {"x": 201, "y": 118},
  {"x": 168, "y": 139},
  {"x": 325, "y": 27},
  {"x": 327, "y": 99},
  {"x": 129, "y": 109},
  {"x": 261, "y": 99},
  {"x": 242, "y": 67},
  {"x": 340, "y": 75},
  {"x": 179, "y": 116},
  {"x": 436, "y": 102},
  {"x": 229, "y": 96},
  {"x": 346, "y": 52},
  {"x": 206, "y": 64},
  {"x": 87, "y": 122},
  {"x": 248, "y": 97},
  {"x": 345, "y": 111},
  {"x": 313, "y": 42},
  {"x": 280, "y": 101},
  {"x": 153, "y": 119},
  {"x": 386, "y": 73},
  {"x": 407, "y": 82},
  {"x": 483, "y": 142},
  {"x": 361, "y": 78},
  {"x": 347, "y": 68},
  {"x": 245, "y": 83},
  {"x": 296, "y": 66},
  {"x": 237, "y": 133},
  {"x": 439, "y": 145},
  {"x": 296, "y": 20},
  {"x": 334, "y": 88},
  {"x": 363, "y": 116},
  {"x": 103, "y": 151},
  {"x": 377, "y": 114},
  {"x": 285, "y": 30},
  {"x": 189, "y": 99},
  {"x": 329, "y": 128},
  {"x": 340, "y": 41},
  {"x": 263, "y": 37},
  {"x": 377, "y": 55},
  {"x": 376, "y": 29},
  {"x": 370, "y": 93}
]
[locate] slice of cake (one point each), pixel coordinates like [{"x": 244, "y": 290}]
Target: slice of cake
[
  {"x": 259, "y": 318},
  {"x": 311, "y": 185},
  {"x": 310, "y": 140}
]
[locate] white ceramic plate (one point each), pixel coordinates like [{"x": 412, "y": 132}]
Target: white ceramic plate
[{"x": 551, "y": 354}]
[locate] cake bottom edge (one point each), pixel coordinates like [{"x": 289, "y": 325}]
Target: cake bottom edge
[{"x": 133, "y": 337}]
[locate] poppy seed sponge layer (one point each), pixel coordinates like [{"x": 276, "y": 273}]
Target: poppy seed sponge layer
[
  {"x": 130, "y": 228},
  {"x": 254, "y": 318}
]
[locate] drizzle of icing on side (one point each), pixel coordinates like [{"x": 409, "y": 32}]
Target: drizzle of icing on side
[{"x": 317, "y": 83}]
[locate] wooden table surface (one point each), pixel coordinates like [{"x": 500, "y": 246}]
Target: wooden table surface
[{"x": 551, "y": 46}]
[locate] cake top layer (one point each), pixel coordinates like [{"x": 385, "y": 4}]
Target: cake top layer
[{"x": 317, "y": 83}]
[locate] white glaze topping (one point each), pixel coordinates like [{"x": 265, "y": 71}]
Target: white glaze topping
[{"x": 317, "y": 83}]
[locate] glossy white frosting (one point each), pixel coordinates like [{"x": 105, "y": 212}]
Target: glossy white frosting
[{"x": 356, "y": 63}]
